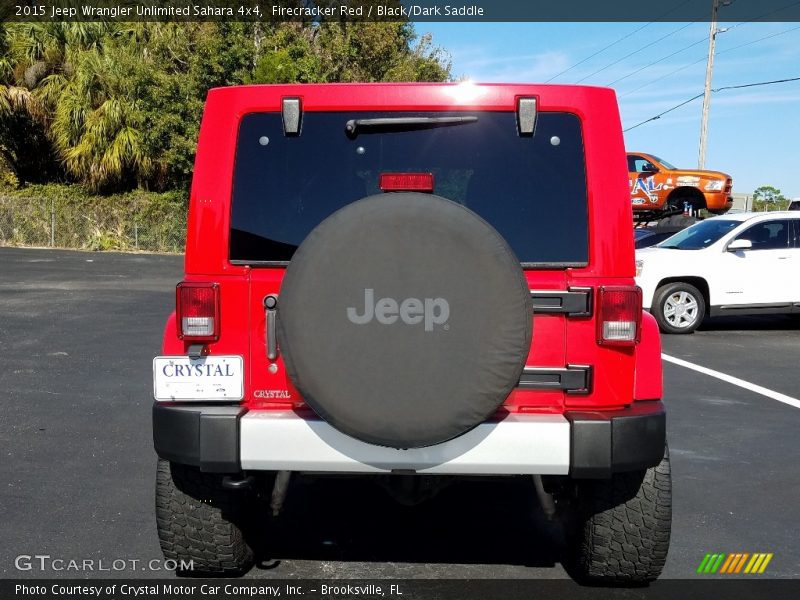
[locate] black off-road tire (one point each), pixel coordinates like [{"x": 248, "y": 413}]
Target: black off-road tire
[
  {"x": 618, "y": 530},
  {"x": 200, "y": 521},
  {"x": 679, "y": 220},
  {"x": 662, "y": 297}
]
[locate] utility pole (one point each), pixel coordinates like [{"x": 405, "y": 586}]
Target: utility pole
[{"x": 712, "y": 40}]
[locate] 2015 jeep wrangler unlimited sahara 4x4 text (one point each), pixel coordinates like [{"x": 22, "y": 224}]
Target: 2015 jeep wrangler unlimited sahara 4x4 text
[{"x": 412, "y": 280}]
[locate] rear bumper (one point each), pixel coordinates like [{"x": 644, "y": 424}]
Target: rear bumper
[
  {"x": 586, "y": 444},
  {"x": 517, "y": 444}
]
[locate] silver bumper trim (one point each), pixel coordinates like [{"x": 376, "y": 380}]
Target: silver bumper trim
[{"x": 518, "y": 444}]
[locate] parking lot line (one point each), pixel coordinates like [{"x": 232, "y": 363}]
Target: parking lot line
[{"x": 734, "y": 380}]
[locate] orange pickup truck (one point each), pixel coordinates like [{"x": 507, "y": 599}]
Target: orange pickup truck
[{"x": 658, "y": 187}]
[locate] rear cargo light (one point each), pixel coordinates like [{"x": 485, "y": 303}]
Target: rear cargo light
[
  {"x": 619, "y": 320},
  {"x": 406, "y": 182},
  {"x": 197, "y": 311}
]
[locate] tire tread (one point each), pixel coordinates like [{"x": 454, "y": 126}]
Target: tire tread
[
  {"x": 621, "y": 528},
  {"x": 199, "y": 521}
]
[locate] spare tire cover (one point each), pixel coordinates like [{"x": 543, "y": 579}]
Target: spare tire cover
[{"x": 404, "y": 320}]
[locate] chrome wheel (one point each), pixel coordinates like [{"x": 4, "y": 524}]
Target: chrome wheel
[{"x": 681, "y": 309}]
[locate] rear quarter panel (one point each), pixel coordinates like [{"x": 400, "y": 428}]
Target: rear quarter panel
[{"x": 648, "y": 381}]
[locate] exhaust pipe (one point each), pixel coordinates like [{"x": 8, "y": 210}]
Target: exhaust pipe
[
  {"x": 279, "y": 491},
  {"x": 545, "y": 500}
]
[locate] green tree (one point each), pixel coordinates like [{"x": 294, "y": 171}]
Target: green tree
[
  {"x": 25, "y": 150},
  {"x": 114, "y": 106},
  {"x": 768, "y": 197},
  {"x": 349, "y": 52},
  {"x": 186, "y": 60},
  {"x": 120, "y": 103}
]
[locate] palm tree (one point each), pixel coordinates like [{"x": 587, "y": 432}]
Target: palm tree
[
  {"x": 76, "y": 79},
  {"x": 97, "y": 123}
]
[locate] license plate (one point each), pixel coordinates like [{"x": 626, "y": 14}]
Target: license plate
[{"x": 177, "y": 378}]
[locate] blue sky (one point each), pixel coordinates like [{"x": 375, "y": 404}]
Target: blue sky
[{"x": 754, "y": 133}]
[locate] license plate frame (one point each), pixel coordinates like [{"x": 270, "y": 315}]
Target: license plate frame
[{"x": 213, "y": 378}]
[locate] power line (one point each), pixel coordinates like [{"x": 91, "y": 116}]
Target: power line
[
  {"x": 664, "y": 77},
  {"x": 703, "y": 59},
  {"x": 671, "y": 33},
  {"x": 753, "y": 20},
  {"x": 761, "y": 39},
  {"x": 655, "y": 62},
  {"x": 658, "y": 116},
  {"x": 760, "y": 83},
  {"x": 612, "y": 44},
  {"x": 720, "y": 89}
]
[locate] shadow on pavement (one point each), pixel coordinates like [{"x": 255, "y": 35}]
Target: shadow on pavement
[
  {"x": 469, "y": 522},
  {"x": 752, "y": 323}
]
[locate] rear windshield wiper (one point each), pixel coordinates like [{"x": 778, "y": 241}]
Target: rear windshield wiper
[{"x": 387, "y": 125}]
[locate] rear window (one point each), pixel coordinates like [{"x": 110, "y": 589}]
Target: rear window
[{"x": 531, "y": 189}]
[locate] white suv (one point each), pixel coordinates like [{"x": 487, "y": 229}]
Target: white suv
[{"x": 743, "y": 263}]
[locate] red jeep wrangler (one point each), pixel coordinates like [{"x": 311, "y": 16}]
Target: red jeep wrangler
[{"x": 414, "y": 281}]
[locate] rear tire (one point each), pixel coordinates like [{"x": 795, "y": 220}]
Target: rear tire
[
  {"x": 618, "y": 530},
  {"x": 199, "y": 522},
  {"x": 678, "y": 307}
]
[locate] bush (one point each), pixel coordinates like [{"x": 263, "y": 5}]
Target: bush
[
  {"x": 8, "y": 176},
  {"x": 69, "y": 217}
]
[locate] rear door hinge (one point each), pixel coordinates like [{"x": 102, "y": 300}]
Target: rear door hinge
[{"x": 575, "y": 302}]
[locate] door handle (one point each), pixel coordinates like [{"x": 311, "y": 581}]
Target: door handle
[{"x": 271, "y": 309}]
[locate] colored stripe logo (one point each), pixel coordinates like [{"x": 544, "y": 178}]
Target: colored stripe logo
[{"x": 737, "y": 563}]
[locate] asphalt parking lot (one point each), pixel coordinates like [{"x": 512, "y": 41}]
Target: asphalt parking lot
[{"x": 77, "y": 335}]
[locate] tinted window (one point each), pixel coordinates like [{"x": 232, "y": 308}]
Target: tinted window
[
  {"x": 700, "y": 235},
  {"x": 652, "y": 239},
  {"x": 532, "y": 190},
  {"x": 769, "y": 235},
  {"x": 638, "y": 164}
]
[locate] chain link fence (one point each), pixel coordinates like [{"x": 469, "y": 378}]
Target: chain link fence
[{"x": 132, "y": 222}]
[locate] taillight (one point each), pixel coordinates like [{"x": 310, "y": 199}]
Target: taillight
[
  {"x": 619, "y": 319},
  {"x": 197, "y": 311}
]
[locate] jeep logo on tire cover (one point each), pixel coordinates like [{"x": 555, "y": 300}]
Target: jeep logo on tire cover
[{"x": 411, "y": 311}]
